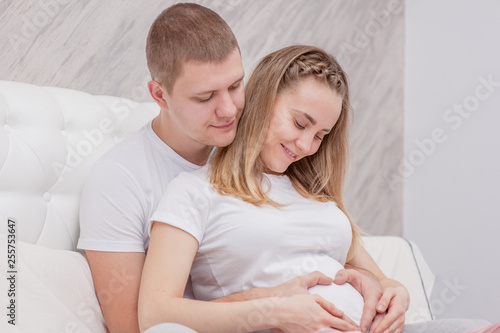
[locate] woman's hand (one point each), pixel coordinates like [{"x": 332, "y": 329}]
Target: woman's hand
[
  {"x": 384, "y": 308},
  {"x": 368, "y": 286},
  {"x": 308, "y": 313},
  {"x": 391, "y": 310}
]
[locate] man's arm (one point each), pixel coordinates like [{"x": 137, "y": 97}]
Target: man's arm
[
  {"x": 296, "y": 286},
  {"x": 111, "y": 233},
  {"x": 117, "y": 277}
]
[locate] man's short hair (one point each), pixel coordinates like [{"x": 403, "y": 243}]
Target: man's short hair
[{"x": 186, "y": 32}]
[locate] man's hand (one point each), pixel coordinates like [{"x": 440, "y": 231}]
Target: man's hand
[
  {"x": 300, "y": 284},
  {"x": 295, "y": 286}
]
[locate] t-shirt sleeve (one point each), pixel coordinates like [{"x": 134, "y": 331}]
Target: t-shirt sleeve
[
  {"x": 112, "y": 211},
  {"x": 185, "y": 205}
]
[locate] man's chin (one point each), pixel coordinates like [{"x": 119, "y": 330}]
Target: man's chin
[{"x": 222, "y": 142}]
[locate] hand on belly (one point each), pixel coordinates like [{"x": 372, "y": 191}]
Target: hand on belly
[{"x": 344, "y": 297}]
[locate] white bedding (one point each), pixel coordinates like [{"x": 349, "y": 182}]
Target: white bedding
[{"x": 54, "y": 292}]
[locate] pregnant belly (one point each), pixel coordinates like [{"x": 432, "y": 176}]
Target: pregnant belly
[{"x": 344, "y": 297}]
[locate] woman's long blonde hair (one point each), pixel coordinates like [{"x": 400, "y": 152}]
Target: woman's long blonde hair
[{"x": 238, "y": 169}]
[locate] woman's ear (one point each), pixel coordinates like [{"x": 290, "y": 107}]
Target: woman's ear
[{"x": 158, "y": 93}]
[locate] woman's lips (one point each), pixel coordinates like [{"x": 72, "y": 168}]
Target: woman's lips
[{"x": 289, "y": 153}]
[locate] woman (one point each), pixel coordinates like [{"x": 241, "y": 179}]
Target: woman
[{"x": 267, "y": 208}]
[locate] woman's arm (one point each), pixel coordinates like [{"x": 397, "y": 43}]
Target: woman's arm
[
  {"x": 395, "y": 298},
  {"x": 165, "y": 274},
  {"x": 166, "y": 270}
]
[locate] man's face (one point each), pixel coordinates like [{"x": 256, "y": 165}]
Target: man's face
[{"x": 206, "y": 101}]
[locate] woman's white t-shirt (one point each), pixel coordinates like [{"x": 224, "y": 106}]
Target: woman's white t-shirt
[{"x": 243, "y": 246}]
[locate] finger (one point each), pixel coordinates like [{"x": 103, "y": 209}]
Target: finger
[
  {"x": 369, "y": 314},
  {"x": 390, "y": 322},
  {"x": 338, "y": 320},
  {"x": 371, "y": 298},
  {"x": 385, "y": 300},
  {"x": 341, "y": 277},
  {"x": 349, "y": 320},
  {"x": 343, "y": 325},
  {"x": 400, "y": 330},
  {"x": 316, "y": 278},
  {"x": 329, "y": 307},
  {"x": 376, "y": 322},
  {"x": 344, "y": 276},
  {"x": 396, "y": 326}
]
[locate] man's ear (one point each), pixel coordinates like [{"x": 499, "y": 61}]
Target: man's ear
[{"x": 158, "y": 93}]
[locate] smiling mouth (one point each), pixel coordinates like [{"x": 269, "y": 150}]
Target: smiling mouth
[
  {"x": 226, "y": 126},
  {"x": 291, "y": 155}
]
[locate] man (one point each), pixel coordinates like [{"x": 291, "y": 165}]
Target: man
[{"x": 197, "y": 80}]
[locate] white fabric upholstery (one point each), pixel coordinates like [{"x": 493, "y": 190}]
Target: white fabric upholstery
[
  {"x": 49, "y": 139},
  {"x": 401, "y": 260}
]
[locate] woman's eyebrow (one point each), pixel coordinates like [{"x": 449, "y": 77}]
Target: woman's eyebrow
[{"x": 312, "y": 120}]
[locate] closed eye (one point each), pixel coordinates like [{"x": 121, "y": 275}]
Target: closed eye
[
  {"x": 235, "y": 86},
  {"x": 206, "y": 99},
  {"x": 298, "y": 125}
]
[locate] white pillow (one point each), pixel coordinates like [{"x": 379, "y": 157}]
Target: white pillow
[{"x": 54, "y": 291}]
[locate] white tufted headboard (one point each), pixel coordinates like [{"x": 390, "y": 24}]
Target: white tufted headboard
[{"x": 49, "y": 139}]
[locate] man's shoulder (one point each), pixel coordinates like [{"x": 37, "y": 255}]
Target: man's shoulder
[
  {"x": 126, "y": 162},
  {"x": 145, "y": 153},
  {"x": 133, "y": 145}
]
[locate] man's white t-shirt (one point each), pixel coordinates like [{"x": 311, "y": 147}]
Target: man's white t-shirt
[
  {"x": 122, "y": 192},
  {"x": 242, "y": 246}
]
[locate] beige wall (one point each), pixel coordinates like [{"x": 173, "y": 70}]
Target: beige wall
[{"x": 98, "y": 47}]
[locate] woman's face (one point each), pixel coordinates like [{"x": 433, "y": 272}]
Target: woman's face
[{"x": 302, "y": 116}]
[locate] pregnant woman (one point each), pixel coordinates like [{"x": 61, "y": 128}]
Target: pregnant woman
[{"x": 265, "y": 209}]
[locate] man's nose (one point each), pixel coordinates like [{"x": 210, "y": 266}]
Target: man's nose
[{"x": 226, "y": 107}]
